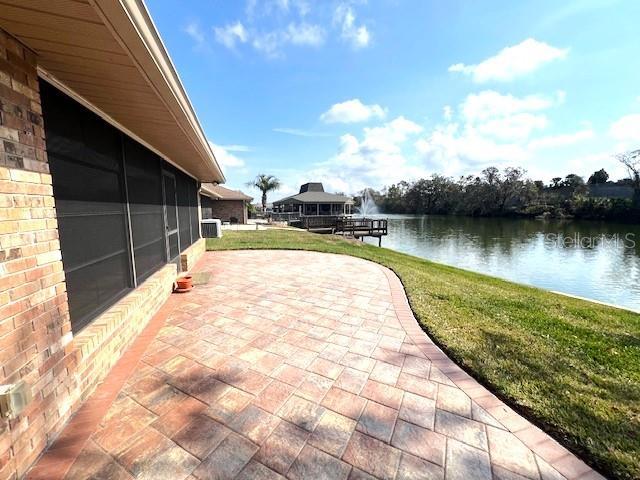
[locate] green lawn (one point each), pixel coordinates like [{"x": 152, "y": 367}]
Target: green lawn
[{"x": 571, "y": 366}]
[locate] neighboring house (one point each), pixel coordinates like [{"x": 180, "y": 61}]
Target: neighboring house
[
  {"x": 101, "y": 160},
  {"x": 313, "y": 200},
  {"x": 228, "y": 205}
]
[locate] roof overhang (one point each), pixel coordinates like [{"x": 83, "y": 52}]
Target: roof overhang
[
  {"x": 287, "y": 201},
  {"x": 109, "y": 56},
  {"x": 218, "y": 192},
  {"x": 207, "y": 192},
  {"x": 295, "y": 200}
]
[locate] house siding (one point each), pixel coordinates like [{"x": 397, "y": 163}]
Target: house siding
[
  {"x": 224, "y": 209},
  {"x": 37, "y": 345}
]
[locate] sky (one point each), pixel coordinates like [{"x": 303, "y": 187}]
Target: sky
[{"x": 357, "y": 93}]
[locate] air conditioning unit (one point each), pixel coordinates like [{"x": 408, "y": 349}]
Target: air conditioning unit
[{"x": 211, "y": 228}]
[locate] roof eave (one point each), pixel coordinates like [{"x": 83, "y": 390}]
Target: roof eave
[
  {"x": 209, "y": 193},
  {"x": 131, "y": 25}
]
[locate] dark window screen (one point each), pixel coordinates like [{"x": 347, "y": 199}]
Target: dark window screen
[
  {"x": 145, "y": 208},
  {"x": 85, "y": 160},
  {"x": 195, "y": 220},
  {"x": 171, "y": 215},
  {"x": 91, "y": 182},
  {"x": 185, "y": 189}
]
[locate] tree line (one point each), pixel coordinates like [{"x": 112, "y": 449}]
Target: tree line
[{"x": 510, "y": 193}]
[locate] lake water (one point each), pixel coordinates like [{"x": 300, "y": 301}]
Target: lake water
[{"x": 595, "y": 260}]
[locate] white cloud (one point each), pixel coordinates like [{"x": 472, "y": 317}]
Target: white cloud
[
  {"x": 236, "y": 148},
  {"x": 196, "y": 33},
  {"x": 506, "y": 116},
  {"x": 356, "y": 35},
  {"x": 626, "y": 133},
  {"x": 487, "y": 128},
  {"x": 290, "y": 27},
  {"x": 510, "y": 127},
  {"x": 255, "y": 8},
  {"x": 305, "y": 34},
  {"x": 490, "y": 129},
  {"x": 512, "y": 62},
  {"x": 626, "y": 129},
  {"x": 447, "y": 112},
  {"x": 585, "y": 165},
  {"x": 226, "y": 159},
  {"x": 562, "y": 140},
  {"x": 299, "y": 34},
  {"x": 352, "y": 111},
  {"x": 268, "y": 43},
  {"x": 303, "y": 7},
  {"x": 375, "y": 160},
  {"x": 491, "y": 104},
  {"x": 231, "y": 34},
  {"x": 296, "y": 132},
  {"x": 452, "y": 149}
]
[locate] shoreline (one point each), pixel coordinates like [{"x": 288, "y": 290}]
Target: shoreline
[{"x": 632, "y": 309}]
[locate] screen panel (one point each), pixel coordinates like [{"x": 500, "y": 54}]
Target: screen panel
[
  {"x": 85, "y": 160},
  {"x": 145, "y": 208},
  {"x": 171, "y": 215},
  {"x": 95, "y": 168},
  {"x": 195, "y": 219},
  {"x": 184, "y": 189}
]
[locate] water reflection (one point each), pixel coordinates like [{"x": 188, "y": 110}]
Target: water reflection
[{"x": 596, "y": 260}]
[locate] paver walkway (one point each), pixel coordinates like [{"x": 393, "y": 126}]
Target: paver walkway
[{"x": 306, "y": 366}]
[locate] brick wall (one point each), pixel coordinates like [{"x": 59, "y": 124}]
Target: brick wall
[
  {"x": 225, "y": 209},
  {"x": 34, "y": 320},
  {"x": 36, "y": 343},
  {"x": 190, "y": 256}
]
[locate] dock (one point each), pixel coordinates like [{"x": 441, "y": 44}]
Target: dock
[{"x": 346, "y": 226}]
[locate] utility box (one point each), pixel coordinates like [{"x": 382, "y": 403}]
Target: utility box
[
  {"x": 14, "y": 398},
  {"x": 211, "y": 228}
]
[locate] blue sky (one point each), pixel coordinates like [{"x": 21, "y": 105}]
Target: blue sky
[{"x": 366, "y": 93}]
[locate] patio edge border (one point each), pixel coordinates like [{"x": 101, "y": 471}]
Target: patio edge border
[{"x": 551, "y": 451}]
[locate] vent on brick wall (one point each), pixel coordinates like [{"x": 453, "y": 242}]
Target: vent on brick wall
[{"x": 14, "y": 399}]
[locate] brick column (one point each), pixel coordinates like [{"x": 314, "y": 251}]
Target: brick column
[{"x": 34, "y": 320}]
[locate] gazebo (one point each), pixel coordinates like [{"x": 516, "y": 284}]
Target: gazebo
[{"x": 313, "y": 200}]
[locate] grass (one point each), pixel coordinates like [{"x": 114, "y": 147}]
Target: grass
[{"x": 571, "y": 366}]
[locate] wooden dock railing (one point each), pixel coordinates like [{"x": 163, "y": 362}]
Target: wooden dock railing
[{"x": 362, "y": 227}]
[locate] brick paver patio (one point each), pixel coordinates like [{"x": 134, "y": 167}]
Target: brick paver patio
[{"x": 299, "y": 365}]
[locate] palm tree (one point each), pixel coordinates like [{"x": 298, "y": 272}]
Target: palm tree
[{"x": 265, "y": 183}]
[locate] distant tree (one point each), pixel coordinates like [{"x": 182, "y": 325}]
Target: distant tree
[
  {"x": 601, "y": 176},
  {"x": 266, "y": 184},
  {"x": 491, "y": 175},
  {"x": 506, "y": 192},
  {"x": 395, "y": 200},
  {"x": 510, "y": 186},
  {"x": 631, "y": 161},
  {"x": 573, "y": 181}
]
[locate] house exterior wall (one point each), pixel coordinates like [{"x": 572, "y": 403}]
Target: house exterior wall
[
  {"x": 37, "y": 345},
  {"x": 34, "y": 323},
  {"x": 225, "y": 209},
  {"x": 190, "y": 256}
]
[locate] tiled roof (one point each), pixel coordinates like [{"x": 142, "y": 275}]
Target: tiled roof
[{"x": 218, "y": 192}]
